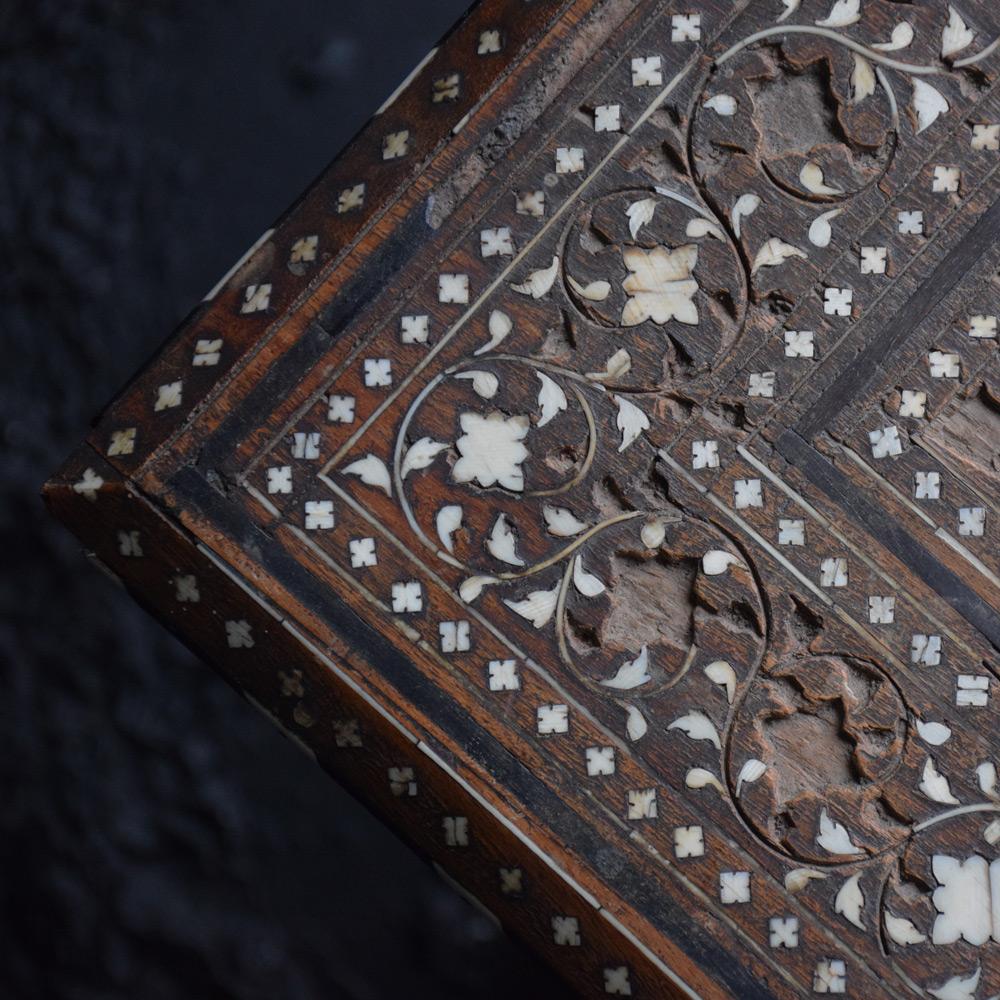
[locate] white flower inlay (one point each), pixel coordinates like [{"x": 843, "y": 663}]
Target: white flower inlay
[
  {"x": 491, "y": 450},
  {"x": 964, "y": 899},
  {"x": 661, "y": 286}
]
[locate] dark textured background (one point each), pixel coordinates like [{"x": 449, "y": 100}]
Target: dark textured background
[{"x": 157, "y": 838}]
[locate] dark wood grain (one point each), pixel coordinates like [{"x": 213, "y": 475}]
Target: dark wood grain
[{"x": 609, "y": 497}]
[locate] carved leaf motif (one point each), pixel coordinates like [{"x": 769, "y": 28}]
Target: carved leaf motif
[
  {"x": 862, "y": 80},
  {"x": 749, "y": 773},
  {"x": 986, "y": 775},
  {"x": 797, "y": 879},
  {"x": 551, "y": 399},
  {"x": 850, "y": 901},
  {"x": 956, "y": 35},
  {"x": 774, "y": 252},
  {"x": 586, "y": 583},
  {"x": 371, "y": 471},
  {"x": 959, "y": 988},
  {"x": 721, "y": 673},
  {"x": 722, "y": 104},
  {"x": 900, "y": 38},
  {"x": 791, "y": 6},
  {"x": 833, "y": 836},
  {"x": 448, "y": 521},
  {"x": 485, "y": 384},
  {"x": 697, "y": 228},
  {"x": 539, "y": 283},
  {"x": 500, "y": 324},
  {"x": 471, "y": 588},
  {"x": 660, "y": 285},
  {"x": 842, "y": 14},
  {"x": 420, "y": 455},
  {"x": 538, "y": 607},
  {"x": 639, "y": 213},
  {"x": 901, "y": 930},
  {"x": 934, "y": 733},
  {"x": 631, "y": 421},
  {"x": 811, "y": 178},
  {"x": 935, "y": 785},
  {"x": 636, "y": 725},
  {"x": 596, "y": 291},
  {"x": 698, "y": 777},
  {"x": 745, "y": 206},
  {"x": 562, "y": 522},
  {"x": 716, "y": 561},
  {"x": 631, "y": 673},
  {"x": 928, "y": 104},
  {"x": 619, "y": 364},
  {"x": 820, "y": 232},
  {"x": 502, "y": 544},
  {"x": 697, "y": 726},
  {"x": 653, "y": 533}
]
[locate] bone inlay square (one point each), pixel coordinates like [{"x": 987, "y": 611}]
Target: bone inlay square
[
  {"x": 402, "y": 782},
  {"x": 685, "y": 28},
  {"x": 783, "y": 932},
  {"x": 553, "y": 719},
  {"x": 407, "y": 597},
  {"x": 347, "y": 733},
  {"x": 874, "y": 260},
  {"x": 830, "y": 976},
  {"x": 496, "y": 242},
  {"x": 927, "y": 485},
  {"x": 748, "y": 493},
  {"x": 761, "y": 384},
  {"x": 511, "y": 881},
  {"x": 531, "y": 203},
  {"x": 647, "y": 71},
  {"x": 566, "y": 931},
  {"x": 489, "y": 42},
  {"x": 340, "y": 409},
  {"x": 911, "y": 222},
  {"x": 600, "y": 761},
  {"x": 608, "y": 118},
  {"x": 791, "y": 531},
  {"x": 734, "y": 887},
  {"x": 414, "y": 329},
  {"x": 704, "y": 454},
  {"x": 362, "y": 552},
  {"x": 837, "y": 301},
  {"x": 453, "y": 288},
  {"x": 833, "y": 572},
  {"x": 912, "y": 403},
  {"x": 983, "y": 326},
  {"x": 617, "y": 981},
  {"x": 569, "y": 160},
  {"x": 279, "y": 479},
  {"x": 946, "y": 180},
  {"x": 396, "y": 145},
  {"x": 799, "y": 344},
  {"x": 986, "y": 137},
  {"x": 689, "y": 842},
  {"x": 503, "y": 675},
  {"x": 641, "y": 803},
  {"x": 926, "y": 650}
]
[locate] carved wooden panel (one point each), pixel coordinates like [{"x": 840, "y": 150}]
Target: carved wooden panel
[{"x": 597, "y": 471}]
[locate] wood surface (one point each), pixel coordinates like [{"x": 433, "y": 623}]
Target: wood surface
[{"x": 596, "y": 471}]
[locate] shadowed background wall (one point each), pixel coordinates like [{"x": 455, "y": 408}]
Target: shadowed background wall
[{"x": 158, "y": 839}]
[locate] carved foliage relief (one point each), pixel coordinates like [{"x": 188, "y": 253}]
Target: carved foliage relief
[{"x": 578, "y": 448}]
